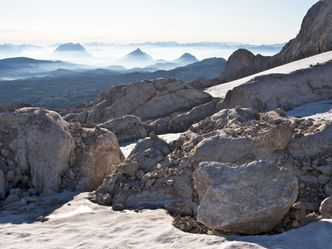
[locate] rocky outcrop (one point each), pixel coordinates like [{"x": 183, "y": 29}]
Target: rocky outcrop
[
  {"x": 146, "y": 100},
  {"x": 251, "y": 198},
  {"x": 180, "y": 122},
  {"x": 315, "y": 37},
  {"x": 157, "y": 175},
  {"x": 243, "y": 63},
  {"x": 283, "y": 90},
  {"x": 126, "y": 128},
  {"x": 40, "y": 152},
  {"x": 144, "y": 180}
]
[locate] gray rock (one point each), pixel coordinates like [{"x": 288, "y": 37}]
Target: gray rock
[
  {"x": 328, "y": 189},
  {"x": 148, "y": 153},
  {"x": 45, "y": 147},
  {"x": 146, "y": 99},
  {"x": 2, "y": 185},
  {"x": 126, "y": 128},
  {"x": 326, "y": 208},
  {"x": 285, "y": 91},
  {"x": 323, "y": 179},
  {"x": 314, "y": 37},
  {"x": 243, "y": 63},
  {"x": 249, "y": 199},
  {"x": 325, "y": 169},
  {"x": 11, "y": 199},
  {"x": 128, "y": 168},
  {"x": 278, "y": 137},
  {"x": 225, "y": 149},
  {"x": 180, "y": 122}
]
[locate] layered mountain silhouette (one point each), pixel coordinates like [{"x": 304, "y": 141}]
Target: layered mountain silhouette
[{"x": 23, "y": 67}]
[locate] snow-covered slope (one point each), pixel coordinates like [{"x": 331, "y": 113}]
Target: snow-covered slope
[
  {"x": 315, "y": 110},
  {"x": 219, "y": 91},
  {"x": 82, "y": 224}
]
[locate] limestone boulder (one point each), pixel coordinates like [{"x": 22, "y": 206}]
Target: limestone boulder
[
  {"x": 41, "y": 145},
  {"x": 126, "y": 128},
  {"x": 42, "y": 151},
  {"x": 225, "y": 149},
  {"x": 286, "y": 91},
  {"x": 146, "y": 100},
  {"x": 96, "y": 155},
  {"x": 180, "y": 122},
  {"x": 249, "y": 199}
]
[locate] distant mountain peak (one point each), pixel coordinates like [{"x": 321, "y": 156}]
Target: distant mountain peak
[
  {"x": 138, "y": 50},
  {"x": 186, "y": 59},
  {"x": 70, "y": 47},
  {"x": 187, "y": 56},
  {"x": 139, "y": 53}
]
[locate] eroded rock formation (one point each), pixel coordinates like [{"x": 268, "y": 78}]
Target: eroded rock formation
[
  {"x": 146, "y": 100},
  {"x": 315, "y": 37},
  {"x": 40, "y": 152}
]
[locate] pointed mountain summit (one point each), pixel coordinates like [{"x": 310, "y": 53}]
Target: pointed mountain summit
[
  {"x": 186, "y": 59},
  {"x": 136, "y": 58},
  {"x": 138, "y": 54}
]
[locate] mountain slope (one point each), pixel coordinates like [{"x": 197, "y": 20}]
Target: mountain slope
[
  {"x": 64, "y": 88},
  {"x": 220, "y": 91},
  {"x": 136, "y": 58},
  {"x": 315, "y": 37},
  {"x": 22, "y": 67}
]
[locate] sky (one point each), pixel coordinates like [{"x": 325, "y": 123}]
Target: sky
[{"x": 127, "y": 21}]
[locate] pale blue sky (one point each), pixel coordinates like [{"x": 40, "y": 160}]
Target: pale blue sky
[{"x": 250, "y": 21}]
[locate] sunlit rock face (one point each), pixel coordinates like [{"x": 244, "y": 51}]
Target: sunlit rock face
[{"x": 41, "y": 152}]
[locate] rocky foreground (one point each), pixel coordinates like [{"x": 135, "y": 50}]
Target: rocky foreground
[
  {"x": 247, "y": 169},
  {"x": 255, "y": 159}
]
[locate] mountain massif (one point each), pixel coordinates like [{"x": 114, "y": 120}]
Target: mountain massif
[{"x": 314, "y": 37}]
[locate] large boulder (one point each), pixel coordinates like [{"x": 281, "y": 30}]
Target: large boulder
[
  {"x": 126, "y": 128},
  {"x": 283, "y": 90},
  {"x": 146, "y": 100},
  {"x": 250, "y": 199},
  {"x": 41, "y": 151},
  {"x": 180, "y": 122},
  {"x": 96, "y": 155},
  {"x": 225, "y": 149},
  {"x": 41, "y": 145}
]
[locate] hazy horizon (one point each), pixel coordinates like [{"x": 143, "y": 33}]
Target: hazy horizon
[{"x": 110, "y": 21}]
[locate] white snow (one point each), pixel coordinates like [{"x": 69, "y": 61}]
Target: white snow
[
  {"x": 219, "y": 91},
  {"x": 127, "y": 148},
  {"x": 79, "y": 223},
  {"x": 315, "y": 110}
]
